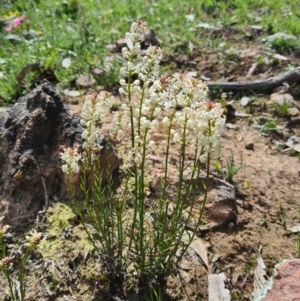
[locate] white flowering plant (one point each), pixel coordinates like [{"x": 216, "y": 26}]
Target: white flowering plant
[{"x": 140, "y": 231}]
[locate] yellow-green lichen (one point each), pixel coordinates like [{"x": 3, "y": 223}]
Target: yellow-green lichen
[{"x": 60, "y": 218}]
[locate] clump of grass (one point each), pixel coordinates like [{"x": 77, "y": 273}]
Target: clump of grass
[
  {"x": 284, "y": 45},
  {"x": 282, "y": 109},
  {"x": 269, "y": 126},
  {"x": 134, "y": 238},
  {"x": 230, "y": 170}
]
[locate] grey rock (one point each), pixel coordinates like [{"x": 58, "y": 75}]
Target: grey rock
[
  {"x": 280, "y": 35},
  {"x": 32, "y": 134}
]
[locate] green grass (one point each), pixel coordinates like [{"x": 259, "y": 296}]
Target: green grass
[{"x": 81, "y": 30}]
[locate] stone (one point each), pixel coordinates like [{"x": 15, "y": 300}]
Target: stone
[
  {"x": 221, "y": 208},
  {"x": 293, "y": 111},
  {"x": 232, "y": 126},
  {"x": 281, "y": 36},
  {"x": 286, "y": 283},
  {"x": 249, "y": 146},
  {"x": 281, "y": 99},
  {"x": 85, "y": 81},
  {"x": 32, "y": 134}
]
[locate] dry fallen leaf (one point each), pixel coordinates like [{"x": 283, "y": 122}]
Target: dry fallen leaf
[
  {"x": 197, "y": 246},
  {"x": 281, "y": 99},
  {"x": 260, "y": 276},
  {"x": 295, "y": 229},
  {"x": 245, "y": 100},
  {"x": 72, "y": 93},
  {"x": 280, "y": 57},
  {"x": 216, "y": 288},
  {"x": 296, "y": 147}
]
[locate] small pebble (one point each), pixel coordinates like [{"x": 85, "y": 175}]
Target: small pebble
[
  {"x": 294, "y": 111},
  {"x": 230, "y": 225},
  {"x": 231, "y": 126},
  {"x": 250, "y": 146}
]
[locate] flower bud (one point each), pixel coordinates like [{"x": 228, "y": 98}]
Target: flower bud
[{"x": 4, "y": 230}]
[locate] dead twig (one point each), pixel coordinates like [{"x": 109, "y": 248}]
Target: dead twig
[
  {"x": 251, "y": 70},
  {"x": 46, "y": 194},
  {"x": 258, "y": 85}
]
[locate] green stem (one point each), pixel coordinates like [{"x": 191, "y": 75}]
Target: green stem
[
  {"x": 149, "y": 71},
  {"x": 129, "y": 100},
  {"x": 167, "y": 154},
  {"x": 206, "y": 191},
  {"x": 142, "y": 204},
  {"x": 207, "y": 180},
  {"x": 140, "y": 112},
  {"x": 164, "y": 206},
  {"x": 180, "y": 202},
  {"x": 21, "y": 274},
  {"x": 7, "y": 276},
  {"x": 2, "y": 248},
  {"x": 119, "y": 211},
  {"x": 135, "y": 208}
]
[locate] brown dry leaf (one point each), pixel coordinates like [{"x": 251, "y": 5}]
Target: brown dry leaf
[
  {"x": 97, "y": 71},
  {"x": 216, "y": 288}
]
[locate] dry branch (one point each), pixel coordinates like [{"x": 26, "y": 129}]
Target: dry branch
[{"x": 258, "y": 85}]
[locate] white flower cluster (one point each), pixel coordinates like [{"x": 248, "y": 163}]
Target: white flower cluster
[
  {"x": 185, "y": 91},
  {"x": 134, "y": 39},
  {"x": 33, "y": 239},
  {"x": 203, "y": 129},
  {"x": 95, "y": 108},
  {"x": 157, "y": 109},
  {"x": 70, "y": 157},
  {"x": 152, "y": 99}
]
